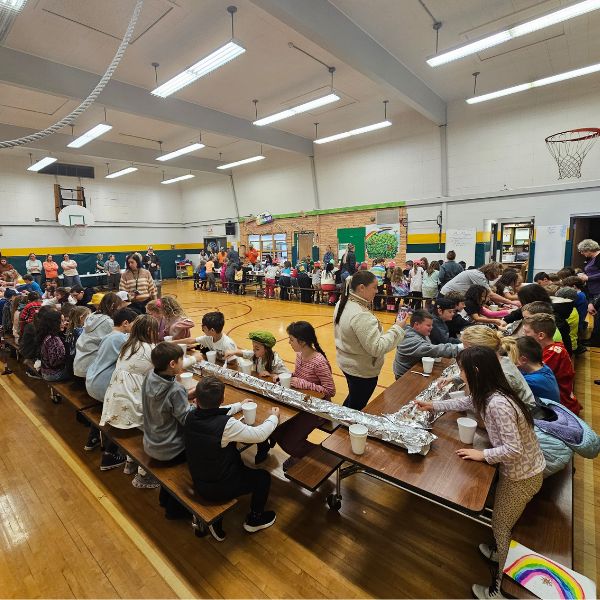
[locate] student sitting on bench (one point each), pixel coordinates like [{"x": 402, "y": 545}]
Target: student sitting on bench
[
  {"x": 165, "y": 404},
  {"x": 539, "y": 377},
  {"x": 216, "y": 467},
  {"x": 542, "y": 327}
]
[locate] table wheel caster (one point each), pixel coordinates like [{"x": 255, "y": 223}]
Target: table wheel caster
[{"x": 334, "y": 502}]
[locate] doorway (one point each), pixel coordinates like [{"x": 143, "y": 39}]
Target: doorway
[
  {"x": 582, "y": 228},
  {"x": 214, "y": 244}
]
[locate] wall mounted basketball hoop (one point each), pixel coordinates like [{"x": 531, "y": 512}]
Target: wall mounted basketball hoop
[
  {"x": 569, "y": 148},
  {"x": 76, "y": 216}
]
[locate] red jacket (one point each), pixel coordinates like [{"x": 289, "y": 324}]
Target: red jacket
[
  {"x": 557, "y": 358},
  {"x": 28, "y": 313}
]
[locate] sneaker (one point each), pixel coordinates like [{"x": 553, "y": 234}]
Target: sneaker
[
  {"x": 146, "y": 481},
  {"x": 131, "y": 467},
  {"x": 112, "y": 461},
  {"x": 289, "y": 463},
  {"x": 93, "y": 441},
  {"x": 257, "y": 521},
  {"x": 485, "y": 592},
  {"x": 216, "y": 530},
  {"x": 488, "y": 552}
]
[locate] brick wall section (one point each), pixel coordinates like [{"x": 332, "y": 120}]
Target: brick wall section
[{"x": 324, "y": 226}]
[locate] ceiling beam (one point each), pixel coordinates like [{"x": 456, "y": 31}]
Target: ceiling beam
[
  {"x": 325, "y": 25},
  {"x": 57, "y": 144},
  {"x": 26, "y": 70}
]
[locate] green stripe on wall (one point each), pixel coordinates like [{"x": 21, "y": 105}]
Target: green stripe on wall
[
  {"x": 423, "y": 249},
  {"x": 331, "y": 211}
]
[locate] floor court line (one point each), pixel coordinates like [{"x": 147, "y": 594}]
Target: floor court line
[{"x": 145, "y": 547}]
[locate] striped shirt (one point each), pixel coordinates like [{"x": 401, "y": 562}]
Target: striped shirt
[
  {"x": 141, "y": 281},
  {"x": 314, "y": 374}
]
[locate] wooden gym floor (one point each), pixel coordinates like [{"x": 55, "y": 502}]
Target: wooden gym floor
[{"x": 68, "y": 530}]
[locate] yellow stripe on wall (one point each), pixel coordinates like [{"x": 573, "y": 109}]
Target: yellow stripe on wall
[
  {"x": 433, "y": 238},
  {"x": 57, "y": 250}
]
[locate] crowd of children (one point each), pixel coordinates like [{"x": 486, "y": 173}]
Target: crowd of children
[{"x": 522, "y": 336}]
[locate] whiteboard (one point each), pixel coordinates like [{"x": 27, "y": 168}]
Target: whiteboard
[
  {"x": 462, "y": 241},
  {"x": 550, "y": 247}
]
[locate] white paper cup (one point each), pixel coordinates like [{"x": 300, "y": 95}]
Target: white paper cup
[
  {"x": 245, "y": 365},
  {"x": 249, "y": 410},
  {"x": 466, "y": 429},
  {"x": 458, "y": 394},
  {"x": 188, "y": 381},
  {"x": 438, "y": 359},
  {"x": 285, "y": 379},
  {"x": 183, "y": 347},
  {"x": 427, "y": 364},
  {"x": 168, "y": 338},
  {"x": 358, "y": 438},
  {"x": 211, "y": 356}
]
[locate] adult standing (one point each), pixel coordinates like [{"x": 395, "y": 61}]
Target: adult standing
[
  {"x": 69, "y": 267},
  {"x": 50, "y": 268},
  {"x": 591, "y": 275},
  {"x": 34, "y": 268},
  {"x": 415, "y": 282},
  {"x": 252, "y": 255},
  {"x": 450, "y": 268},
  {"x": 113, "y": 270},
  {"x": 233, "y": 264},
  {"x": 101, "y": 269},
  {"x": 138, "y": 283},
  {"x": 328, "y": 256},
  {"x": 348, "y": 262},
  {"x": 203, "y": 255},
  {"x": 359, "y": 339},
  {"x": 482, "y": 276},
  {"x": 152, "y": 263}
]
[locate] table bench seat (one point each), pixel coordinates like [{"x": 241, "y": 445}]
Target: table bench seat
[
  {"x": 313, "y": 469},
  {"x": 175, "y": 478},
  {"x": 74, "y": 393}
]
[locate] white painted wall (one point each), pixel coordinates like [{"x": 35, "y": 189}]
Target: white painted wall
[
  {"x": 280, "y": 184},
  {"x": 134, "y": 210}
]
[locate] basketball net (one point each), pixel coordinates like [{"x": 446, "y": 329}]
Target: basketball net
[{"x": 569, "y": 148}]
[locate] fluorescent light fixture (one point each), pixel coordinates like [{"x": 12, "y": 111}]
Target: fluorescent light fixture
[
  {"x": 40, "y": 164},
  {"x": 534, "y": 84},
  {"x": 88, "y": 136},
  {"x": 213, "y": 61},
  {"x": 181, "y": 151},
  {"x": 121, "y": 172},
  {"x": 175, "y": 179},
  {"x": 15, "y": 5},
  {"x": 245, "y": 161},
  {"x": 558, "y": 16},
  {"x": 296, "y": 110},
  {"x": 347, "y": 134}
]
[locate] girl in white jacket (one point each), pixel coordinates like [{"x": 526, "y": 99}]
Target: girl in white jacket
[{"x": 359, "y": 339}]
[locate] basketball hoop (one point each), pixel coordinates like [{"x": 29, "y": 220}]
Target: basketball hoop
[{"x": 569, "y": 148}]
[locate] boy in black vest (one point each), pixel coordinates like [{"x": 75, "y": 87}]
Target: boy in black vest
[{"x": 217, "y": 470}]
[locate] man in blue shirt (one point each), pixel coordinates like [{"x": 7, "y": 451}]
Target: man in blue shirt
[{"x": 539, "y": 377}]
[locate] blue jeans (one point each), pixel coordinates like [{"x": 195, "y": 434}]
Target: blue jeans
[{"x": 71, "y": 280}]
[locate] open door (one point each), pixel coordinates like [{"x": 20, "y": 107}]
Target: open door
[{"x": 582, "y": 228}]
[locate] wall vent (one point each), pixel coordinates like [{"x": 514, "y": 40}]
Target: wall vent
[{"x": 387, "y": 216}]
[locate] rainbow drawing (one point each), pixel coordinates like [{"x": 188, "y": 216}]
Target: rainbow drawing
[{"x": 544, "y": 577}]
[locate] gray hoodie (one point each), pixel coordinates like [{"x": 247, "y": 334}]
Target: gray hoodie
[
  {"x": 105, "y": 360},
  {"x": 415, "y": 346},
  {"x": 165, "y": 407},
  {"x": 95, "y": 328}
]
